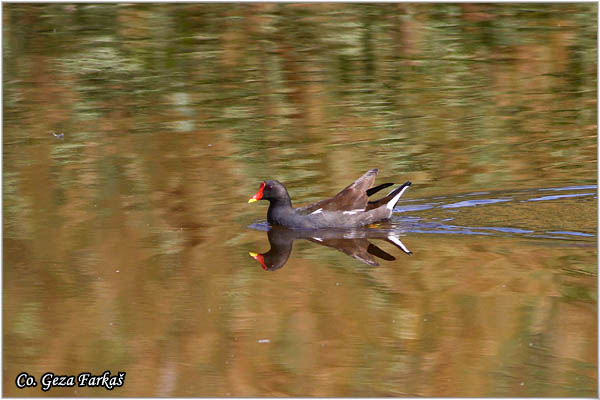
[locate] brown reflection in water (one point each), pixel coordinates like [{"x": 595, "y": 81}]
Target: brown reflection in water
[{"x": 465, "y": 316}]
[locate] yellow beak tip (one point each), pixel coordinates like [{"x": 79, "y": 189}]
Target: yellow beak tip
[
  {"x": 252, "y": 254},
  {"x": 252, "y": 200}
]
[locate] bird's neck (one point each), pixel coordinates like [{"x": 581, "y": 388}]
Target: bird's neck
[{"x": 277, "y": 208}]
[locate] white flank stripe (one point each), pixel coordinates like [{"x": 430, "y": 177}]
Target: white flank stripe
[
  {"x": 352, "y": 211},
  {"x": 320, "y": 210},
  {"x": 319, "y": 239}
]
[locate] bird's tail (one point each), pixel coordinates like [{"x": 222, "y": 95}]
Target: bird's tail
[{"x": 395, "y": 195}]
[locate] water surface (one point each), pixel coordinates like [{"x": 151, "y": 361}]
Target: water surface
[{"x": 133, "y": 136}]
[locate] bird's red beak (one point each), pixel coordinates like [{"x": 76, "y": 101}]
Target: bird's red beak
[
  {"x": 260, "y": 258},
  {"x": 258, "y": 194}
]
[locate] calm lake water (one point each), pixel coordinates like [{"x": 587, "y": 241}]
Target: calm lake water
[{"x": 133, "y": 136}]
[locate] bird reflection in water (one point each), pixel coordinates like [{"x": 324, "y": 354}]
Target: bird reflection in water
[{"x": 354, "y": 243}]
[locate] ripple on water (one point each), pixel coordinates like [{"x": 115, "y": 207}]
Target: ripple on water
[{"x": 525, "y": 214}]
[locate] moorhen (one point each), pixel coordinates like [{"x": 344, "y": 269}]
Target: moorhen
[{"x": 350, "y": 208}]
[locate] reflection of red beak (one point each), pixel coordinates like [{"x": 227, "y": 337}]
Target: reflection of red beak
[
  {"x": 258, "y": 194},
  {"x": 259, "y": 258}
]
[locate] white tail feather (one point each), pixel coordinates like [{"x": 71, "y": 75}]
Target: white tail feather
[{"x": 390, "y": 205}]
